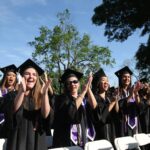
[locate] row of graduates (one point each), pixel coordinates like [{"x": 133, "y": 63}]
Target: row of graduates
[{"x": 77, "y": 116}]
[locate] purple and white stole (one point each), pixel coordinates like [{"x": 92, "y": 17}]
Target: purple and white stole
[
  {"x": 132, "y": 119},
  {"x": 76, "y": 132}
]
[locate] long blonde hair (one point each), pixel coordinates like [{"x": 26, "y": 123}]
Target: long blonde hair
[{"x": 35, "y": 94}]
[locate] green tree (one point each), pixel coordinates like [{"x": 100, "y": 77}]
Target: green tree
[
  {"x": 122, "y": 18},
  {"x": 63, "y": 47}
]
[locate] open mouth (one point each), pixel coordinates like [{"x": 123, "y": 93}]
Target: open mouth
[{"x": 10, "y": 81}]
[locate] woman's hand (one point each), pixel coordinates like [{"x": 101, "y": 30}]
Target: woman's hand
[
  {"x": 22, "y": 86},
  {"x": 45, "y": 86}
]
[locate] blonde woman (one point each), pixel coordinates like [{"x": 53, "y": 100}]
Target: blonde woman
[{"x": 31, "y": 110}]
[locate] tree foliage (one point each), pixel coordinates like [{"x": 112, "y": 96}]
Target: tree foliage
[
  {"x": 143, "y": 57},
  {"x": 121, "y": 19},
  {"x": 62, "y": 47}
]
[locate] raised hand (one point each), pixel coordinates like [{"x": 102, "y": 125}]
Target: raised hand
[
  {"x": 87, "y": 85},
  {"x": 137, "y": 86},
  {"x": 45, "y": 86},
  {"x": 22, "y": 86}
]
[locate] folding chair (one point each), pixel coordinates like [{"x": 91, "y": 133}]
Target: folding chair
[
  {"x": 3, "y": 144},
  {"x": 67, "y": 148},
  {"x": 49, "y": 139},
  {"x": 142, "y": 139},
  {"x": 98, "y": 145},
  {"x": 127, "y": 142}
]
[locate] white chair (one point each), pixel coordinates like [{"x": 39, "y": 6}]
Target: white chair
[
  {"x": 3, "y": 144},
  {"x": 98, "y": 145},
  {"x": 67, "y": 148},
  {"x": 49, "y": 139},
  {"x": 142, "y": 139},
  {"x": 127, "y": 142}
]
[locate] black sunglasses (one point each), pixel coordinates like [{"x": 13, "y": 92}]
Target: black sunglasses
[{"x": 74, "y": 82}]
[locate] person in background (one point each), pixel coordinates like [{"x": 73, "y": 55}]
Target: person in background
[
  {"x": 129, "y": 101},
  {"x": 72, "y": 121},
  {"x": 9, "y": 80},
  {"x": 7, "y": 84},
  {"x": 29, "y": 109},
  {"x": 104, "y": 107},
  {"x": 144, "y": 94}
]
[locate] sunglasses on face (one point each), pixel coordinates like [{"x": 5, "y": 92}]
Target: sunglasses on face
[{"x": 74, "y": 82}]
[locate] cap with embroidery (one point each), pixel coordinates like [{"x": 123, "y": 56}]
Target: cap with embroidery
[
  {"x": 70, "y": 73},
  {"x": 30, "y": 64},
  {"x": 125, "y": 69},
  {"x": 11, "y": 68}
]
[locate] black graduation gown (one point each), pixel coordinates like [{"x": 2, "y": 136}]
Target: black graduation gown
[
  {"x": 66, "y": 114},
  {"x": 145, "y": 116},
  {"x": 28, "y": 130},
  {"x": 104, "y": 120},
  {"x": 6, "y": 104}
]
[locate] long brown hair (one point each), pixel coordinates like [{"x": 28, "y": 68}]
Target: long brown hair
[{"x": 4, "y": 82}]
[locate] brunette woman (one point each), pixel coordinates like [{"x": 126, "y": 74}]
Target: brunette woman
[
  {"x": 7, "y": 84},
  {"x": 72, "y": 124}
]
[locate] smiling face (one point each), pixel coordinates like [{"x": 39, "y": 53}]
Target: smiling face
[
  {"x": 103, "y": 84},
  {"x": 126, "y": 79},
  {"x": 10, "y": 78},
  {"x": 72, "y": 84},
  {"x": 30, "y": 76}
]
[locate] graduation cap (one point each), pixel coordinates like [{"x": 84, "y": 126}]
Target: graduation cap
[
  {"x": 112, "y": 89},
  {"x": 100, "y": 73},
  {"x": 30, "y": 64},
  {"x": 125, "y": 69},
  {"x": 11, "y": 68},
  {"x": 70, "y": 73},
  {"x": 144, "y": 80}
]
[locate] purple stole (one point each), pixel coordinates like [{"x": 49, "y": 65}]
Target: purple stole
[
  {"x": 2, "y": 117},
  {"x": 76, "y": 133},
  {"x": 132, "y": 119}
]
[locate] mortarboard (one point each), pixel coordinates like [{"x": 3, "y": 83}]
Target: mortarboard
[
  {"x": 123, "y": 70},
  {"x": 144, "y": 80},
  {"x": 100, "y": 73},
  {"x": 12, "y": 68},
  {"x": 68, "y": 73},
  {"x": 30, "y": 64}
]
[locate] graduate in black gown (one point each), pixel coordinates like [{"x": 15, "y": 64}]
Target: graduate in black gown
[
  {"x": 105, "y": 108},
  {"x": 129, "y": 102},
  {"x": 30, "y": 109},
  {"x": 72, "y": 124},
  {"x": 7, "y": 84},
  {"x": 145, "y": 103}
]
